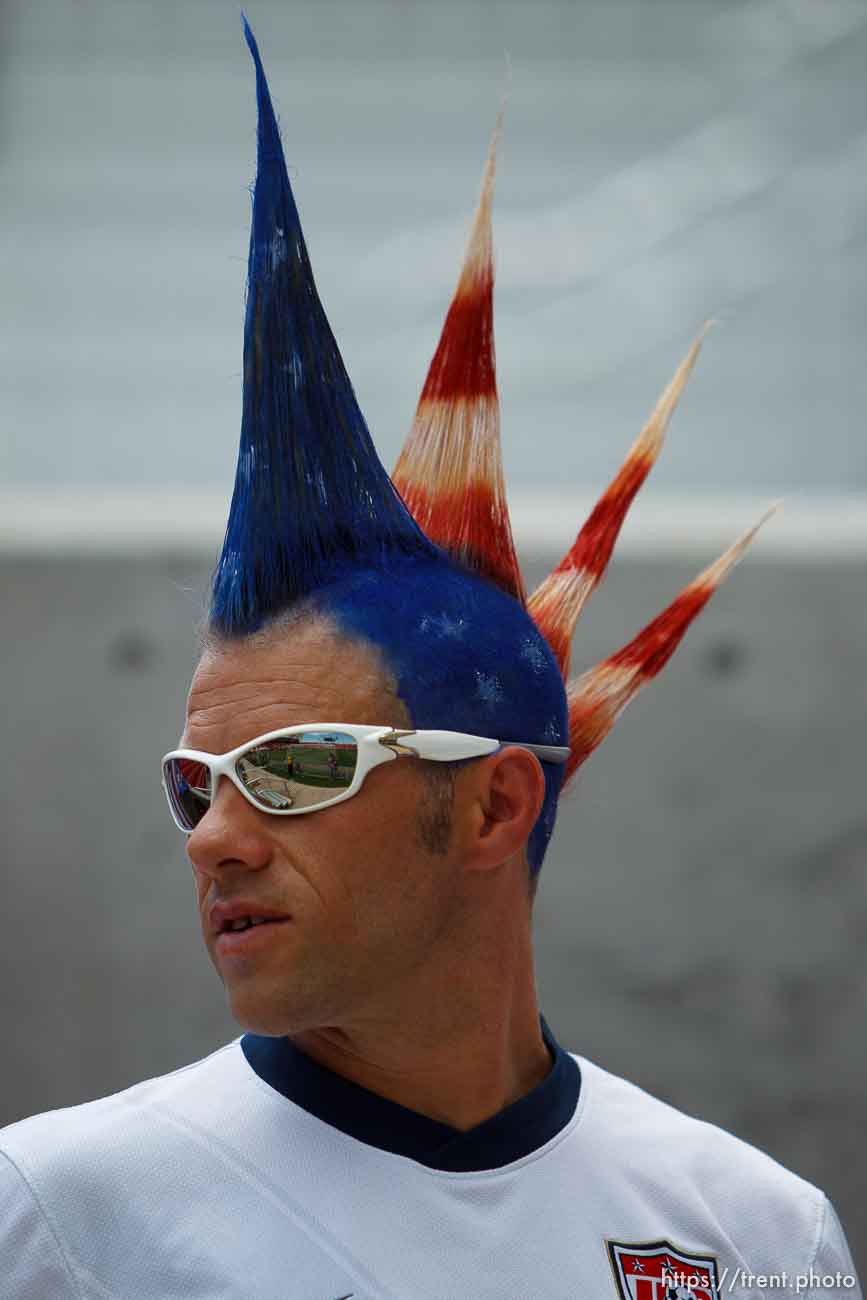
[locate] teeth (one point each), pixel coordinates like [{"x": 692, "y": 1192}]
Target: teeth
[{"x": 243, "y": 922}]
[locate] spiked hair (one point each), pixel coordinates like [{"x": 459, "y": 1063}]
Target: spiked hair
[
  {"x": 449, "y": 473},
  {"x": 422, "y": 565},
  {"x": 311, "y": 498}
]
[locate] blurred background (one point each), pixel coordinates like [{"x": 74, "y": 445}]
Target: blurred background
[{"x": 702, "y": 919}]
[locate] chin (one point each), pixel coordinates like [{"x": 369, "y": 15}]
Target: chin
[
  {"x": 259, "y": 1018},
  {"x": 271, "y": 1017}
]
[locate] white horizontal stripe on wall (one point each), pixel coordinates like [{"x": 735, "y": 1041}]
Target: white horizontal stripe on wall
[{"x": 108, "y": 519}]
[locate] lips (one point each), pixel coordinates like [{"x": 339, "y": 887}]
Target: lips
[
  {"x": 223, "y": 914},
  {"x": 240, "y": 942}
]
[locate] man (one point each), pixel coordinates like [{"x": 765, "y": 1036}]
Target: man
[{"x": 397, "y": 1122}]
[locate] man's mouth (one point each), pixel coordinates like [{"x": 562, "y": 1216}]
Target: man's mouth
[
  {"x": 240, "y": 914},
  {"x": 246, "y": 933},
  {"x": 245, "y": 922}
]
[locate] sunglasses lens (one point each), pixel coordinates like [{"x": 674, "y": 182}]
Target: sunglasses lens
[
  {"x": 189, "y": 788},
  {"x": 299, "y": 771}
]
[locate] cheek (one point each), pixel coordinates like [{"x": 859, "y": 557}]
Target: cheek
[
  {"x": 364, "y": 855},
  {"x": 323, "y": 864},
  {"x": 388, "y": 825},
  {"x": 396, "y": 872}
]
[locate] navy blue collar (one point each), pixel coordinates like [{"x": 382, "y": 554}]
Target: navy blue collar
[{"x": 512, "y": 1133}]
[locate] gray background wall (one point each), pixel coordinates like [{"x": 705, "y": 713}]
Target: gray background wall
[{"x": 702, "y": 921}]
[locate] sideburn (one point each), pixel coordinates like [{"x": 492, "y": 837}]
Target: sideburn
[{"x": 434, "y": 824}]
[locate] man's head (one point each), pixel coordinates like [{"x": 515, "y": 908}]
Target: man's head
[
  {"x": 417, "y": 582},
  {"x": 387, "y": 892}
]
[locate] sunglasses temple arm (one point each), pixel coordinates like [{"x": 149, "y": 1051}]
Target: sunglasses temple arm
[
  {"x": 549, "y": 753},
  {"x": 448, "y": 746}
]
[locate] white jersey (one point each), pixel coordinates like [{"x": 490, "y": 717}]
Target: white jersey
[{"x": 211, "y": 1183}]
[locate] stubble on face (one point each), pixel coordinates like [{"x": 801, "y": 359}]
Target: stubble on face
[{"x": 368, "y": 898}]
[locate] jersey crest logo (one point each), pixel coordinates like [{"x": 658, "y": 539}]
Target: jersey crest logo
[{"x": 657, "y": 1270}]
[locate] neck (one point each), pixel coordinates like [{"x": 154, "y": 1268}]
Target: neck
[{"x": 458, "y": 1050}]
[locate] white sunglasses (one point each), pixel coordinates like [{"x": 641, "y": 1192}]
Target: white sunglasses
[{"x": 305, "y": 768}]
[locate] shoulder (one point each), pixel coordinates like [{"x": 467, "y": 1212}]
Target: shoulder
[
  {"x": 76, "y": 1147},
  {"x": 87, "y": 1187},
  {"x": 697, "y": 1170},
  {"x": 647, "y": 1130}
]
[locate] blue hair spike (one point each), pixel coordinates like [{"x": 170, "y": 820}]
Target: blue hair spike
[
  {"x": 314, "y": 514},
  {"x": 311, "y": 498}
]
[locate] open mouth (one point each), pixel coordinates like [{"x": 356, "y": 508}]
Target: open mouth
[
  {"x": 242, "y": 923},
  {"x": 247, "y": 930}
]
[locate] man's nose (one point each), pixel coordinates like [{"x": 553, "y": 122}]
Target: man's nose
[{"x": 231, "y": 834}]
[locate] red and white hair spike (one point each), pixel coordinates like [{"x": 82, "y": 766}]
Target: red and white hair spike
[
  {"x": 450, "y": 471},
  {"x": 556, "y": 604},
  {"x": 598, "y": 697},
  {"x": 450, "y": 475}
]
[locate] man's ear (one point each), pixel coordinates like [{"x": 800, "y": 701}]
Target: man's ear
[{"x": 501, "y": 802}]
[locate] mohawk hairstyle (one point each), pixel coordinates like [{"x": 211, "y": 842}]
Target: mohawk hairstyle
[
  {"x": 422, "y": 566},
  {"x": 311, "y": 498}
]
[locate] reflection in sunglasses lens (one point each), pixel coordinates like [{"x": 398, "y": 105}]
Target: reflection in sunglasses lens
[
  {"x": 189, "y": 783},
  {"x": 299, "y": 771}
]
